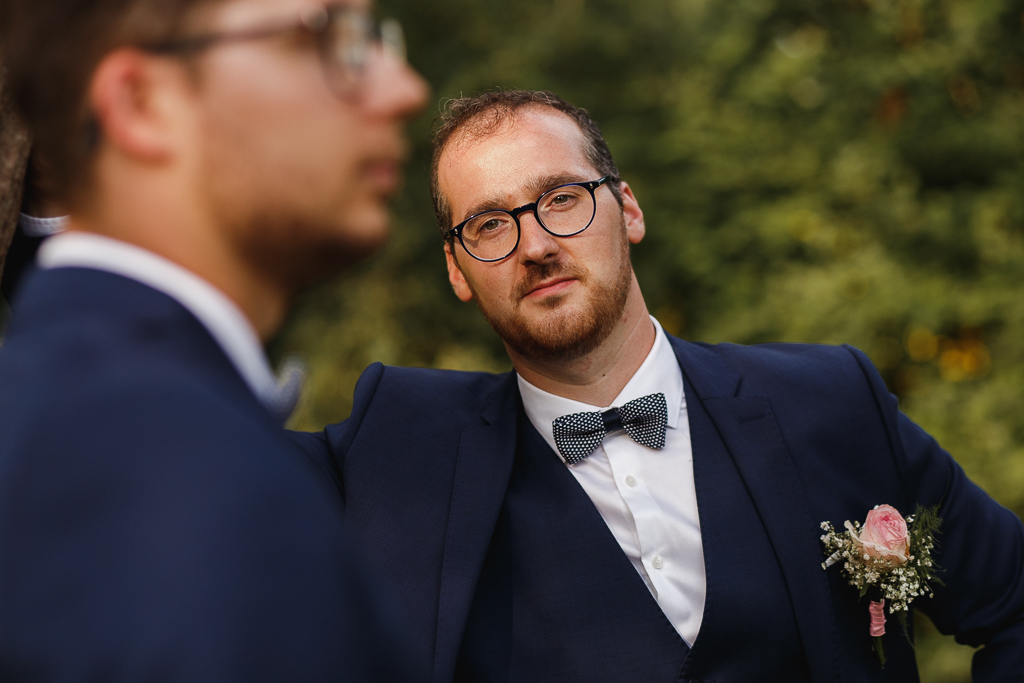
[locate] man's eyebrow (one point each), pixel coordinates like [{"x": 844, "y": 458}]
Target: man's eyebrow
[
  {"x": 541, "y": 185},
  {"x": 494, "y": 203},
  {"x": 535, "y": 188}
]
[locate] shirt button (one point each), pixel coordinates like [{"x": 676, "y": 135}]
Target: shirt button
[
  {"x": 657, "y": 562},
  {"x": 630, "y": 481}
]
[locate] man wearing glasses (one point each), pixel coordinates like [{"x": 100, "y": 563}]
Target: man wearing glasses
[
  {"x": 215, "y": 157},
  {"x": 627, "y": 506}
]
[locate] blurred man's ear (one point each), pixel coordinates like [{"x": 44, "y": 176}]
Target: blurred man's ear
[
  {"x": 135, "y": 98},
  {"x": 455, "y": 275}
]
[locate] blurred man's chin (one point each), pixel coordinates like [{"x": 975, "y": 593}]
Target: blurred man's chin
[
  {"x": 337, "y": 252},
  {"x": 365, "y": 234},
  {"x": 299, "y": 254},
  {"x": 355, "y": 248}
]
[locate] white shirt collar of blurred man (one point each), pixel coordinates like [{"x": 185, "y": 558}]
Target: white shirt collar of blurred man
[{"x": 216, "y": 312}]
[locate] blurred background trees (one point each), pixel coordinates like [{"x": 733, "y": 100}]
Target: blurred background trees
[{"x": 836, "y": 171}]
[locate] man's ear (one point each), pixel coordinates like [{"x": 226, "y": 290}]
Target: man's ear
[
  {"x": 131, "y": 95},
  {"x": 456, "y": 277},
  {"x": 634, "y": 217}
]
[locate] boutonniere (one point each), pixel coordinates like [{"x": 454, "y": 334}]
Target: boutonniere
[{"x": 888, "y": 559}]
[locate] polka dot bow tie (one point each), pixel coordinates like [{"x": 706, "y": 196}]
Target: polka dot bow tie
[{"x": 644, "y": 419}]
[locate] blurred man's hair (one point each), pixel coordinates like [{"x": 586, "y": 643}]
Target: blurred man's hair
[
  {"x": 485, "y": 114},
  {"x": 51, "y": 49}
]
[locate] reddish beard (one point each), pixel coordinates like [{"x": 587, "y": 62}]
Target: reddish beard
[{"x": 563, "y": 336}]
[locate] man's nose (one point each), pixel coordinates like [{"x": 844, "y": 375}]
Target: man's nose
[
  {"x": 397, "y": 90},
  {"x": 536, "y": 245}
]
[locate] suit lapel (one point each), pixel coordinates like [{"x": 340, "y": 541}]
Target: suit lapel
[
  {"x": 752, "y": 437},
  {"x": 486, "y": 454}
]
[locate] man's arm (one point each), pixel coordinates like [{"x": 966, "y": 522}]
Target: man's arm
[
  {"x": 981, "y": 550},
  {"x": 980, "y": 547}
]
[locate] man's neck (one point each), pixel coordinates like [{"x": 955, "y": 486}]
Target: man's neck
[
  {"x": 190, "y": 242},
  {"x": 598, "y": 377}
]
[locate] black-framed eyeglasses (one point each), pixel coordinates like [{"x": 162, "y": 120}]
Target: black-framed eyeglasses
[
  {"x": 346, "y": 38},
  {"x": 562, "y": 211}
]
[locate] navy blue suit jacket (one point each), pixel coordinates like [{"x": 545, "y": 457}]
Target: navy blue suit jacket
[
  {"x": 423, "y": 465},
  {"x": 156, "y": 522}
]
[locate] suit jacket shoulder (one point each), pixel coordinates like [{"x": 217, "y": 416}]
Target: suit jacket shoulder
[
  {"x": 783, "y": 368},
  {"x": 436, "y": 399},
  {"x": 154, "y": 520}
]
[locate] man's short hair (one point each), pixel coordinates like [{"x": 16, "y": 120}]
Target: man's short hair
[
  {"x": 51, "y": 49},
  {"x": 484, "y": 114}
]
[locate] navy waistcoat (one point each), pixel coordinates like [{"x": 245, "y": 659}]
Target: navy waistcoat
[
  {"x": 749, "y": 630},
  {"x": 525, "y": 626},
  {"x": 557, "y": 598}
]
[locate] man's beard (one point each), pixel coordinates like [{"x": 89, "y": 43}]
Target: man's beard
[
  {"x": 564, "y": 337},
  {"x": 287, "y": 242},
  {"x": 297, "y": 254}
]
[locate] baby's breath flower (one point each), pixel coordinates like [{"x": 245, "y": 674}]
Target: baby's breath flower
[{"x": 899, "y": 581}]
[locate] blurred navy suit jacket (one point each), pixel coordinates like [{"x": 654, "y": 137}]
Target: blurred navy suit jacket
[
  {"x": 156, "y": 523},
  {"x": 507, "y": 572}
]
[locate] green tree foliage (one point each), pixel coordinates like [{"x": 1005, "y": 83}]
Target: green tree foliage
[{"x": 838, "y": 171}]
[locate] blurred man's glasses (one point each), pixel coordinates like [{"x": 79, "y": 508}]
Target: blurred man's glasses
[
  {"x": 562, "y": 211},
  {"x": 346, "y": 39}
]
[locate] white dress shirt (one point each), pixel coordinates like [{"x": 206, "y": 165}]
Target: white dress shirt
[
  {"x": 218, "y": 314},
  {"x": 646, "y": 496}
]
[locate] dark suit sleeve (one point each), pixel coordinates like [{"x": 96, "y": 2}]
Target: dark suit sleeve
[
  {"x": 981, "y": 547},
  {"x": 179, "y": 539},
  {"x": 327, "y": 449}
]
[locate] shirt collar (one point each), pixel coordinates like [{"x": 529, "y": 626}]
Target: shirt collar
[
  {"x": 34, "y": 226},
  {"x": 222, "y": 318},
  {"x": 660, "y": 372}
]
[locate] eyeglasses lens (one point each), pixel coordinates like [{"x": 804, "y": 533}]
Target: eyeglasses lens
[
  {"x": 350, "y": 39},
  {"x": 393, "y": 37},
  {"x": 563, "y": 211},
  {"x": 566, "y": 210},
  {"x": 491, "y": 235},
  {"x": 346, "y": 42}
]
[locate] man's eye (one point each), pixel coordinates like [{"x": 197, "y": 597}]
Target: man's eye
[
  {"x": 562, "y": 201},
  {"x": 488, "y": 227}
]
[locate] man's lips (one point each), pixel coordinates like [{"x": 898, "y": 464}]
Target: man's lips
[
  {"x": 383, "y": 171},
  {"x": 552, "y": 286},
  {"x": 384, "y": 175}
]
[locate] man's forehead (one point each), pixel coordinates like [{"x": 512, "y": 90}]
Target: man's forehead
[
  {"x": 243, "y": 14},
  {"x": 530, "y": 126},
  {"x": 537, "y": 143}
]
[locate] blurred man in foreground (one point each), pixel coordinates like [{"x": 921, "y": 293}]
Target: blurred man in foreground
[
  {"x": 628, "y": 506},
  {"x": 215, "y": 157}
]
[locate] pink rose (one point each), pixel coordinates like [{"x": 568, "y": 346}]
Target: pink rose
[{"x": 884, "y": 535}]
